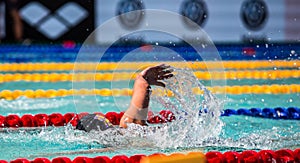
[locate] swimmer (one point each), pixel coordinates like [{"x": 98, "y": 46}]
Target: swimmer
[
  {"x": 136, "y": 113},
  {"x": 138, "y": 109}
]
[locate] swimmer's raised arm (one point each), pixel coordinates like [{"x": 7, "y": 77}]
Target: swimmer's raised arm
[{"x": 138, "y": 109}]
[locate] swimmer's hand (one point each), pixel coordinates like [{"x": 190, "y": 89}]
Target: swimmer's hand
[
  {"x": 124, "y": 120},
  {"x": 154, "y": 75}
]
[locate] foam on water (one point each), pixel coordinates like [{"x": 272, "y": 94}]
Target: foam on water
[{"x": 24, "y": 103}]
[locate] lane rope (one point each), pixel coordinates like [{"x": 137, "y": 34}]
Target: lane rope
[
  {"x": 244, "y": 89},
  {"x": 110, "y": 66},
  {"x": 163, "y": 116},
  {"x": 262, "y": 156},
  {"x": 119, "y": 76},
  {"x": 292, "y": 113}
]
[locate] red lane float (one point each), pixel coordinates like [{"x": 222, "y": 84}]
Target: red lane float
[
  {"x": 248, "y": 156},
  {"x": 167, "y": 115},
  {"x": 231, "y": 156},
  {"x": 41, "y": 120},
  {"x": 2, "y": 121},
  {"x": 13, "y": 121},
  {"x": 285, "y": 155},
  {"x": 41, "y": 160},
  {"x": 28, "y": 121},
  {"x": 297, "y": 154},
  {"x": 120, "y": 159},
  {"x": 268, "y": 156},
  {"x": 136, "y": 158},
  {"x": 57, "y": 119},
  {"x": 71, "y": 118},
  {"x": 102, "y": 159},
  {"x": 82, "y": 159},
  {"x": 113, "y": 117},
  {"x": 155, "y": 119},
  {"x": 62, "y": 160},
  {"x": 216, "y": 157},
  {"x": 20, "y": 160}
]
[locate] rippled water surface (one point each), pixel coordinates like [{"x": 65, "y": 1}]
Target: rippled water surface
[{"x": 191, "y": 130}]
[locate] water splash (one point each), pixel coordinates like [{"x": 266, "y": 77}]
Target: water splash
[
  {"x": 197, "y": 118},
  {"x": 197, "y": 115}
]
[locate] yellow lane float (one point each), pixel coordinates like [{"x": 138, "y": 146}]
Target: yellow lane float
[
  {"x": 244, "y": 89},
  {"x": 119, "y": 76}
]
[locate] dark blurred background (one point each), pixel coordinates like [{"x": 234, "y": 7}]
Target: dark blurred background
[{"x": 225, "y": 21}]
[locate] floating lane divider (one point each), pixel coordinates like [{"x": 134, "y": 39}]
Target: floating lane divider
[
  {"x": 245, "y": 89},
  {"x": 164, "y": 116},
  {"x": 247, "y": 156},
  {"x": 292, "y": 113},
  {"x": 110, "y": 66},
  {"x": 118, "y": 76}
]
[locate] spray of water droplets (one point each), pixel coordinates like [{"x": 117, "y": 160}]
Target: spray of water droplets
[{"x": 197, "y": 117}]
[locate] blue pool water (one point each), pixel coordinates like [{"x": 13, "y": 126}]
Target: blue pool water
[{"x": 237, "y": 132}]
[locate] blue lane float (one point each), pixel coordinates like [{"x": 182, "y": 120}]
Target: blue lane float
[
  {"x": 292, "y": 113},
  {"x": 12, "y": 53}
]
